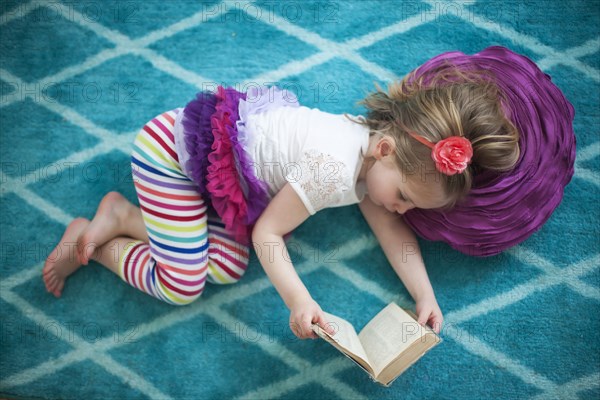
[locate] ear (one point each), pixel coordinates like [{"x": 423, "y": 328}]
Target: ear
[{"x": 385, "y": 146}]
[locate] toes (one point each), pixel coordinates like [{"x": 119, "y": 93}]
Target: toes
[
  {"x": 48, "y": 268},
  {"x": 62, "y": 262},
  {"x": 49, "y": 278},
  {"x": 54, "y": 284},
  {"x": 48, "y": 272},
  {"x": 47, "y": 284},
  {"x": 50, "y": 260},
  {"x": 58, "y": 290},
  {"x": 51, "y": 283}
]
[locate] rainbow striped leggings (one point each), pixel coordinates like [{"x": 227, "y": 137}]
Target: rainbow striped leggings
[{"x": 188, "y": 243}]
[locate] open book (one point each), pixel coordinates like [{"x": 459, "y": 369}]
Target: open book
[{"x": 390, "y": 343}]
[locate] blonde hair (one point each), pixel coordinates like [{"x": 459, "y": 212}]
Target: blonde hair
[{"x": 452, "y": 103}]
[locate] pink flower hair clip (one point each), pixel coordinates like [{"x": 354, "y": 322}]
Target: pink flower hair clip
[{"x": 451, "y": 155}]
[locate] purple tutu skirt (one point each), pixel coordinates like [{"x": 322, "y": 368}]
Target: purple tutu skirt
[
  {"x": 216, "y": 139},
  {"x": 503, "y": 210}
]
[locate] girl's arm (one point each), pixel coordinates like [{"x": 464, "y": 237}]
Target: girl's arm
[
  {"x": 402, "y": 251},
  {"x": 284, "y": 213}
]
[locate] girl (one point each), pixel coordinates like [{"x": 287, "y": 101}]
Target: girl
[{"x": 447, "y": 152}]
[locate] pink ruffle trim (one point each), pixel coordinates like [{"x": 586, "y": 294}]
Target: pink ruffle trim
[{"x": 222, "y": 179}]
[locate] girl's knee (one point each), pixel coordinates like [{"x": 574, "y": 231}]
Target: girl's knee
[
  {"x": 177, "y": 289},
  {"x": 227, "y": 260},
  {"x": 180, "y": 299},
  {"x": 225, "y": 273},
  {"x": 184, "y": 301}
]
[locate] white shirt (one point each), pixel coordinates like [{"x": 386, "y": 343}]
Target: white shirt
[{"x": 318, "y": 153}]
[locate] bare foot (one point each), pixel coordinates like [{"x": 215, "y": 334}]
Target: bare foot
[
  {"x": 106, "y": 225},
  {"x": 63, "y": 261}
]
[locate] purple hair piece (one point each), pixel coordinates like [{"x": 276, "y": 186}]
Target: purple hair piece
[{"x": 503, "y": 210}]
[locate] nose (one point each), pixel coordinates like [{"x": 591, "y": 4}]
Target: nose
[{"x": 402, "y": 208}]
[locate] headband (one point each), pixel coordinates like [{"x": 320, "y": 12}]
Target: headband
[{"x": 451, "y": 155}]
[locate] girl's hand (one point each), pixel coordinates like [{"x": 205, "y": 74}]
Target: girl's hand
[
  {"x": 428, "y": 312},
  {"x": 303, "y": 314}
]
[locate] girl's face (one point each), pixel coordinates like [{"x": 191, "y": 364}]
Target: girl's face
[{"x": 398, "y": 193}]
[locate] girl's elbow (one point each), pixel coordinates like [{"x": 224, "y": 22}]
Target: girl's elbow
[{"x": 260, "y": 231}]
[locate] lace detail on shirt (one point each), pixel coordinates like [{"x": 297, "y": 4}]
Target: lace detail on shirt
[{"x": 322, "y": 177}]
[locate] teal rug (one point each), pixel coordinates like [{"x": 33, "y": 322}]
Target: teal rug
[{"x": 78, "y": 79}]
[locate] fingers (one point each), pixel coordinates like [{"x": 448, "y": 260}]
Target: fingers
[
  {"x": 307, "y": 321},
  {"x": 302, "y": 327},
  {"x": 304, "y": 315},
  {"x": 295, "y": 328},
  {"x": 433, "y": 318},
  {"x": 436, "y": 322},
  {"x": 424, "y": 316},
  {"x": 326, "y": 326}
]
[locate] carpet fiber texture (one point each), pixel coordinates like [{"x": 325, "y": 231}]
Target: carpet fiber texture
[{"x": 78, "y": 81}]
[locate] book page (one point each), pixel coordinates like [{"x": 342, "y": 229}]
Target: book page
[
  {"x": 345, "y": 336},
  {"x": 388, "y": 334}
]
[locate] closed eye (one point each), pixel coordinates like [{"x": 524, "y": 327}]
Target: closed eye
[{"x": 402, "y": 198}]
